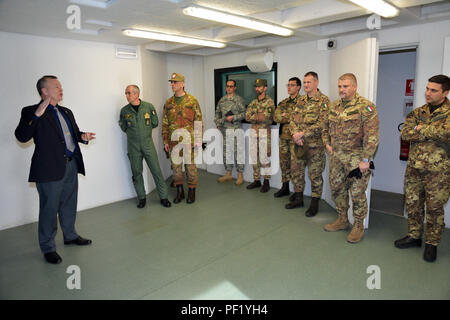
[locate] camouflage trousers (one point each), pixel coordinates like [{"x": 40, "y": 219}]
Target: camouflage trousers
[
  {"x": 230, "y": 163},
  {"x": 256, "y": 142},
  {"x": 191, "y": 172},
  {"x": 430, "y": 188},
  {"x": 285, "y": 159},
  {"x": 315, "y": 160},
  {"x": 341, "y": 185}
]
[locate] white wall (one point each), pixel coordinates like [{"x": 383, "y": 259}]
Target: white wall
[
  {"x": 94, "y": 83},
  {"x": 393, "y": 71},
  {"x": 154, "y": 90}
]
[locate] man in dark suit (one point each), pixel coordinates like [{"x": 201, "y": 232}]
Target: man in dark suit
[{"x": 55, "y": 165}]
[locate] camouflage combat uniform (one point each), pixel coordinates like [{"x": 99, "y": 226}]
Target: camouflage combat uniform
[
  {"x": 180, "y": 113},
  {"x": 351, "y": 129},
  {"x": 264, "y": 109},
  {"x": 427, "y": 172},
  {"x": 235, "y": 105},
  {"x": 282, "y": 116},
  {"x": 307, "y": 117}
]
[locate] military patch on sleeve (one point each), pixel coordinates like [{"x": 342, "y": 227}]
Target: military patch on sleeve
[
  {"x": 153, "y": 112},
  {"x": 325, "y": 105},
  {"x": 369, "y": 108}
]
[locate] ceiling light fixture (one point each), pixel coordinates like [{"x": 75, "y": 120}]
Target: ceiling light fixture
[
  {"x": 236, "y": 20},
  {"x": 379, "y": 7},
  {"x": 172, "y": 38}
]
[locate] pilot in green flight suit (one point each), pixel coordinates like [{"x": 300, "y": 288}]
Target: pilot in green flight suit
[{"x": 137, "y": 119}]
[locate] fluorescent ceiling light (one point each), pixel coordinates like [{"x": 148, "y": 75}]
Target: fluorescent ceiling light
[
  {"x": 236, "y": 20},
  {"x": 103, "y": 4},
  {"x": 99, "y": 23},
  {"x": 86, "y": 31},
  {"x": 379, "y": 7},
  {"x": 172, "y": 38}
]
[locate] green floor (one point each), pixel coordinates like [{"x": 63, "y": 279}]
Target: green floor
[{"x": 232, "y": 243}]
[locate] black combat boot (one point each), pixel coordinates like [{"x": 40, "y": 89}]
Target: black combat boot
[
  {"x": 266, "y": 186},
  {"x": 141, "y": 203},
  {"x": 407, "y": 242},
  {"x": 180, "y": 194},
  {"x": 292, "y": 197},
  {"x": 297, "y": 202},
  {"x": 254, "y": 184},
  {"x": 191, "y": 195},
  {"x": 284, "y": 191},
  {"x": 430, "y": 253},
  {"x": 313, "y": 207}
]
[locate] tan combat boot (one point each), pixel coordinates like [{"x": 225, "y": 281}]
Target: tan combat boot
[
  {"x": 340, "y": 224},
  {"x": 357, "y": 232},
  {"x": 240, "y": 179},
  {"x": 227, "y": 177}
]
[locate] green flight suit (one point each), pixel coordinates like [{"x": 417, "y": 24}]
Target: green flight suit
[{"x": 138, "y": 127}]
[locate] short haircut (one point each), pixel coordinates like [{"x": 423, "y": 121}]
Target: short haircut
[
  {"x": 135, "y": 88},
  {"x": 299, "y": 82},
  {"x": 312, "y": 74},
  {"x": 443, "y": 80},
  {"x": 41, "y": 83},
  {"x": 234, "y": 82},
  {"x": 349, "y": 76}
]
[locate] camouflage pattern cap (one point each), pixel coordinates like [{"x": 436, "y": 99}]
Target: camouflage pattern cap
[
  {"x": 260, "y": 83},
  {"x": 176, "y": 77}
]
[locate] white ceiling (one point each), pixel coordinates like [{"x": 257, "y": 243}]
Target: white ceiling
[{"x": 310, "y": 20}]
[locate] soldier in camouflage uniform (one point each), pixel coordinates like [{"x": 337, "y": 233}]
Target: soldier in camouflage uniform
[
  {"x": 282, "y": 116},
  {"x": 260, "y": 114},
  {"x": 230, "y": 112},
  {"x": 306, "y": 130},
  {"x": 137, "y": 119},
  {"x": 350, "y": 135},
  {"x": 427, "y": 172},
  {"x": 180, "y": 112}
]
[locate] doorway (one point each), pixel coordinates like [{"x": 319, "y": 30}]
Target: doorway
[{"x": 395, "y": 99}]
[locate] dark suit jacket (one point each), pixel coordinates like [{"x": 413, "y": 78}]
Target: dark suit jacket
[{"x": 49, "y": 157}]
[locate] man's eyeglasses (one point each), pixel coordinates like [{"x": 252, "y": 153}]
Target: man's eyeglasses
[{"x": 230, "y": 86}]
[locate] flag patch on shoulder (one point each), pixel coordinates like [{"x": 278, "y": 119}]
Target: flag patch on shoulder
[{"x": 369, "y": 108}]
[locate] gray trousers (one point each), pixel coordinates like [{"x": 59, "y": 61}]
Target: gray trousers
[{"x": 58, "y": 198}]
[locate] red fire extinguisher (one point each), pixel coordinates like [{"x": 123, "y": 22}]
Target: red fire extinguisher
[{"x": 404, "y": 146}]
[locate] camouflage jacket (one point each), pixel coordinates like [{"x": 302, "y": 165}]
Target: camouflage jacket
[
  {"x": 263, "y": 109},
  {"x": 307, "y": 117},
  {"x": 183, "y": 115},
  {"x": 352, "y": 131},
  {"x": 282, "y": 115},
  {"x": 235, "y": 105},
  {"x": 430, "y": 146}
]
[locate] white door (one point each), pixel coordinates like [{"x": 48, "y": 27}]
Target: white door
[{"x": 361, "y": 59}]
